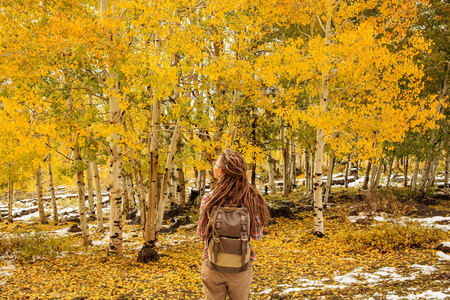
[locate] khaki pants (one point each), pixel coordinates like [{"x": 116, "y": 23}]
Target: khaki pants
[{"x": 217, "y": 285}]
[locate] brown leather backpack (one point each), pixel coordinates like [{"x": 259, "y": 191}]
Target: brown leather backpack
[{"x": 229, "y": 245}]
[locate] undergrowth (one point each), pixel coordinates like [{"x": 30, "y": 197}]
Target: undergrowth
[
  {"x": 388, "y": 236},
  {"x": 27, "y": 247}
]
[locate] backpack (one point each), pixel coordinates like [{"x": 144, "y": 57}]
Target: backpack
[{"x": 229, "y": 245}]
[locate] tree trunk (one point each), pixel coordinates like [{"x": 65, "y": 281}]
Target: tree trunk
[
  {"x": 435, "y": 166},
  {"x": 405, "y": 171},
  {"x": 347, "y": 168},
  {"x": 130, "y": 195},
  {"x": 98, "y": 194},
  {"x": 447, "y": 167},
  {"x": 307, "y": 171},
  {"x": 425, "y": 174},
  {"x": 40, "y": 199},
  {"x": 165, "y": 181},
  {"x": 373, "y": 174},
  {"x": 181, "y": 187},
  {"x": 286, "y": 148},
  {"x": 377, "y": 176},
  {"x": 123, "y": 182},
  {"x": 329, "y": 178},
  {"x": 90, "y": 190},
  {"x": 10, "y": 197},
  {"x": 388, "y": 181},
  {"x": 366, "y": 176},
  {"x": 415, "y": 173},
  {"x": 52, "y": 192},
  {"x": 271, "y": 171},
  {"x": 150, "y": 230},
  {"x": 81, "y": 196},
  {"x": 293, "y": 173}
]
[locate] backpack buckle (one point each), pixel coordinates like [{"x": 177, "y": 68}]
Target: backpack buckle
[
  {"x": 244, "y": 237},
  {"x": 215, "y": 239}
]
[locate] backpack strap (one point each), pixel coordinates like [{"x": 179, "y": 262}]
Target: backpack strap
[
  {"x": 218, "y": 227},
  {"x": 244, "y": 235}
]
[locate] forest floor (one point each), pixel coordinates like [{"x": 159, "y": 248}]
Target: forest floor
[{"x": 291, "y": 262}]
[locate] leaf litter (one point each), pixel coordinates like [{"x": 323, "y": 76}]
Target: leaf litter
[{"x": 291, "y": 264}]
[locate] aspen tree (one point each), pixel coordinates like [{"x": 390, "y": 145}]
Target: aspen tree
[
  {"x": 98, "y": 195},
  {"x": 40, "y": 200},
  {"x": 52, "y": 191}
]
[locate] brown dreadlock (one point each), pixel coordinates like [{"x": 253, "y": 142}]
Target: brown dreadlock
[{"x": 233, "y": 188}]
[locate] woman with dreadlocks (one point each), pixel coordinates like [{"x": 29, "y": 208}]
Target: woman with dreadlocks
[{"x": 232, "y": 188}]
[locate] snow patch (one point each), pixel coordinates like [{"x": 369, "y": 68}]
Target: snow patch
[{"x": 443, "y": 256}]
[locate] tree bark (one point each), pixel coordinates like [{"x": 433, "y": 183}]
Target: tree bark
[
  {"x": 347, "y": 168},
  {"x": 165, "y": 181},
  {"x": 307, "y": 171},
  {"x": 271, "y": 171},
  {"x": 415, "y": 173},
  {"x": 388, "y": 181},
  {"x": 90, "y": 190},
  {"x": 40, "y": 199},
  {"x": 81, "y": 195},
  {"x": 286, "y": 156},
  {"x": 405, "y": 171},
  {"x": 150, "y": 229},
  {"x": 52, "y": 192},
  {"x": 293, "y": 173},
  {"x": 367, "y": 175},
  {"x": 329, "y": 178},
  {"x": 425, "y": 174},
  {"x": 181, "y": 186},
  {"x": 377, "y": 176},
  {"x": 98, "y": 195},
  {"x": 123, "y": 182},
  {"x": 10, "y": 197},
  {"x": 447, "y": 168}
]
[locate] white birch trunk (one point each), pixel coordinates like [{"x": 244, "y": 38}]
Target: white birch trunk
[
  {"x": 367, "y": 175},
  {"x": 405, "y": 171},
  {"x": 181, "y": 187},
  {"x": 130, "y": 194},
  {"x": 40, "y": 199},
  {"x": 307, "y": 171},
  {"x": 123, "y": 180},
  {"x": 447, "y": 168},
  {"x": 415, "y": 174},
  {"x": 377, "y": 177},
  {"x": 347, "y": 168},
  {"x": 90, "y": 190},
  {"x": 165, "y": 181},
  {"x": 425, "y": 174},
  {"x": 388, "y": 181},
  {"x": 329, "y": 178},
  {"x": 10, "y": 198},
  {"x": 293, "y": 174},
  {"x": 52, "y": 192},
  {"x": 271, "y": 171},
  {"x": 81, "y": 196},
  {"x": 150, "y": 232},
  {"x": 98, "y": 195}
]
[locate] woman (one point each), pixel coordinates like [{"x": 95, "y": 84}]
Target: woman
[{"x": 232, "y": 188}]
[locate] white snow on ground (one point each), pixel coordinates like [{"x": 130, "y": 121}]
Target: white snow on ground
[
  {"x": 386, "y": 274},
  {"x": 6, "y": 270},
  {"x": 426, "y": 295},
  {"x": 424, "y": 221},
  {"x": 443, "y": 256}
]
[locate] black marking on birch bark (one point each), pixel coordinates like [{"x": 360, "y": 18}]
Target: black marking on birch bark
[
  {"x": 320, "y": 208},
  {"x": 316, "y": 184},
  {"x": 112, "y": 247},
  {"x": 318, "y": 174},
  {"x": 114, "y": 236}
]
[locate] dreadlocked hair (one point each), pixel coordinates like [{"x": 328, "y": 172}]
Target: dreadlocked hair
[{"x": 233, "y": 188}]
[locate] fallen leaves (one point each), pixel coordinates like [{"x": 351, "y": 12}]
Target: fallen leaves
[{"x": 291, "y": 263}]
